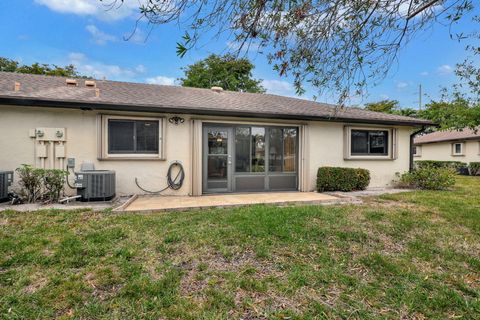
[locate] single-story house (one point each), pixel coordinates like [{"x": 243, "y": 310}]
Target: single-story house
[
  {"x": 226, "y": 141},
  {"x": 450, "y": 145}
]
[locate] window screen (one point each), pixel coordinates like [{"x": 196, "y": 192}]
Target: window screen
[
  {"x": 132, "y": 136},
  {"x": 258, "y": 149},
  {"x": 289, "y": 150},
  {"x": 252, "y": 144},
  {"x": 369, "y": 142},
  {"x": 275, "y": 153},
  {"x": 242, "y": 150}
]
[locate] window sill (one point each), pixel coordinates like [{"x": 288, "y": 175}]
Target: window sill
[
  {"x": 353, "y": 158},
  {"x": 458, "y": 155},
  {"x": 131, "y": 158}
]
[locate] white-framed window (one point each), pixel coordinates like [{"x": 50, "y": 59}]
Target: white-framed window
[
  {"x": 457, "y": 148},
  {"x": 417, "y": 151},
  {"x": 370, "y": 143},
  {"x": 131, "y": 137}
]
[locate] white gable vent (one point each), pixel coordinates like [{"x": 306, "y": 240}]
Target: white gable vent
[
  {"x": 71, "y": 82},
  {"x": 90, "y": 84},
  {"x": 217, "y": 89}
]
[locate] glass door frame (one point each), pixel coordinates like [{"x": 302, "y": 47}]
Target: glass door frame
[
  {"x": 229, "y": 155},
  {"x": 232, "y": 175}
]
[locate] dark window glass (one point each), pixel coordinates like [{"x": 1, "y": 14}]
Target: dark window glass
[
  {"x": 258, "y": 149},
  {"x": 242, "y": 150},
  {"x": 251, "y": 144},
  {"x": 147, "y": 136},
  {"x": 275, "y": 149},
  {"x": 359, "y": 142},
  {"x": 132, "y": 136},
  {"x": 217, "y": 167},
  {"x": 290, "y": 149},
  {"x": 120, "y": 136},
  {"x": 364, "y": 142},
  {"x": 378, "y": 142},
  {"x": 458, "y": 148},
  {"x": 217, "y": 142}
]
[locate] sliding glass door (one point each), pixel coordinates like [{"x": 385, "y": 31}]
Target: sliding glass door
[{"x": 252, "y": 158}]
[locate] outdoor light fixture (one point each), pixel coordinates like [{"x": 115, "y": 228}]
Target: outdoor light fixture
[{"x": 176, "y": 120}]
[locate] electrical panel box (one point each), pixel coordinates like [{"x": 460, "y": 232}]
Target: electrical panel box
[
  {"x": 41, "y": 150},
  {"x": 50, "y": 134},
  {"x": 60, "y": 150},
  {"x": 71, "y": 163}
]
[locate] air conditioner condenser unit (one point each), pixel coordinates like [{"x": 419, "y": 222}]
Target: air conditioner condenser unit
[
  {"x": 6, "y": 180},
  {"x": 95, "y": 185}
]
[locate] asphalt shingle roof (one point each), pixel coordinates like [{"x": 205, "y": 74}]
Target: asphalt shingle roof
[
  {"x": 449, "y": 135},
  {"x": 158, "y": 98}
]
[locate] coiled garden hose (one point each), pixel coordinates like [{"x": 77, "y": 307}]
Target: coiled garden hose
[
  {"x": 172, "y": 183},
  {"x": 68, "y": 181}
]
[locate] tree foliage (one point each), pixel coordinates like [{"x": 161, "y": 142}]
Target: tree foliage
[
  {"x": 391, "y": 107},
  {"x": 339, "y": 45},
  {"x": 456, "y": 114},
  {"x": 9, "y": 65},
  {"x": 459, "y": 105},
  {"x": 468, "y": 71},
  {"x": 225, "y": 71},
  {"x": 385, "y": 106}
]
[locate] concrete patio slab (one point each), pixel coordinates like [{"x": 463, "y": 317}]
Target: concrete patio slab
[{"x": 160, "y": 203}]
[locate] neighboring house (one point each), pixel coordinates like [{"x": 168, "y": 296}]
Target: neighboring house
[
  {"x": 226, "y": 141},
  {"x": 461, "y": 146}
]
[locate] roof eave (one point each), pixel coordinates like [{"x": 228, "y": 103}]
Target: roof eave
[
  {"x": 448, "y": 140},
  {"x": 30, "y": 102}
]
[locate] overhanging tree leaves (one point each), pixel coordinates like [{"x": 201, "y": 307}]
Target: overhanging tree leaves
[
  {"x": 339, "y": 45},
  {"x": 226, "y": 71},
  {"x": 459, "y": 105}
]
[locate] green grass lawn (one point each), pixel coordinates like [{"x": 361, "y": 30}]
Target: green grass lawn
[{"x": 411, "y": 255}]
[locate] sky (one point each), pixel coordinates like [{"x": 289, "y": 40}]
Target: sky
[{"x": 86, "y": 34}]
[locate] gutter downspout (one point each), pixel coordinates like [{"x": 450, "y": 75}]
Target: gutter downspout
[{"x": 412, "y": 136}]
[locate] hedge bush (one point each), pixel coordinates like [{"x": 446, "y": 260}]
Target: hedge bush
[
  {"x": 474, "y": 168},
  {"x": 428, "y": 178},
  {"x": 342, "y": 179},
  {"x": 40, "y": 184},
  {"x": 456, "y": 165}
]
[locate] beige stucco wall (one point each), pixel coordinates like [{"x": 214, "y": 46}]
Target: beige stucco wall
[
  {"x": 324, "y": 146},
  {"x": 326, "y": 149},
  {"x": 442, "y": 151},
  {"x": 81, "y": 130}
]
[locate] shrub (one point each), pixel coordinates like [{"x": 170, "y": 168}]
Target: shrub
[
  {"x": 429, "y": 178},
  {"x": 31, "y": 182},
  {"x": 342, "y": 179},
  {"x": 39, "y": 184},
  {"x": 456, "y": 165},
  {"x": 54, "y": 181},
  {"x": 474, "y": 168}
]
